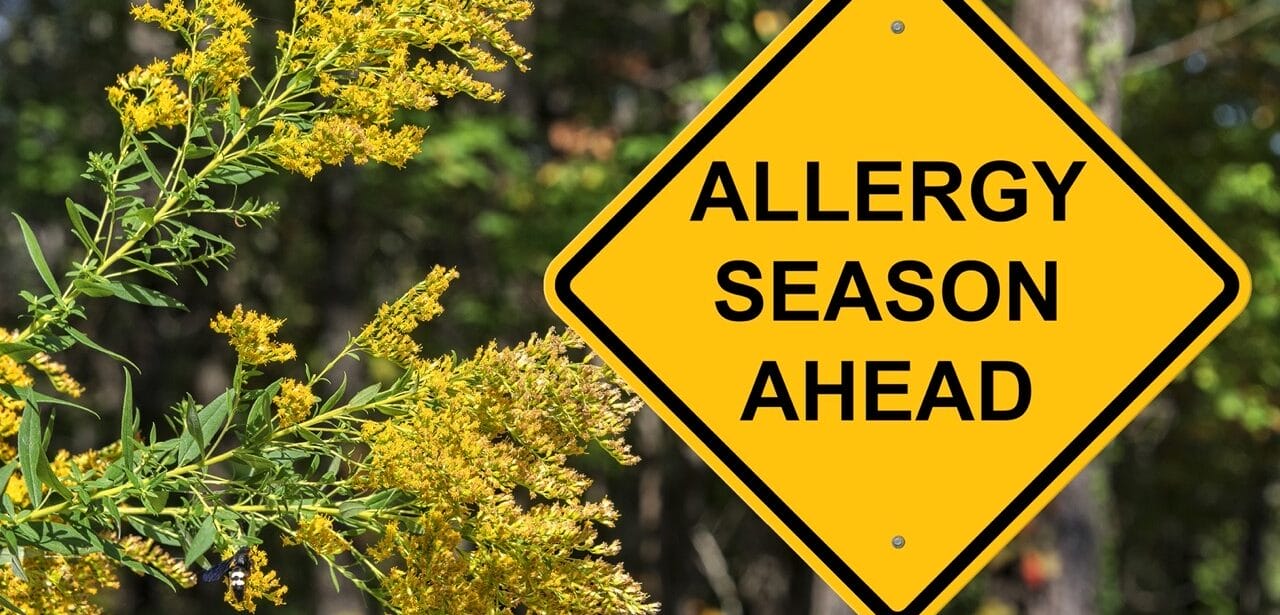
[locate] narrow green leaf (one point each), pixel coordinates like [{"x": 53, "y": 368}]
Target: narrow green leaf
[
  {"x": 92, "y": 287},
  {"x": 84, "y": 339},
  {"x": 201, "y": 424},
  {"x": 335, "y": 398},
  {"x": 364, "y": 395},
  {"x": 152, "y": 172},
  {"x": 144, "y": 296},
  {"x": 18, "y": 351},
  {"x": 58, "y": 537},
  {"x": 258, "y": 423},
  {"x": 43, "y": 470},
  {"x": 9, "y": 606},
  {"x": 156, "y": 501},
  {"x": 159, "y": 272},
  {"x": 30, "y": 450},
  {"x": 351, "y": 508},
  {"x": 7, "y": 472},
  {"x": 77, "y": 225},
  {"x": 201, "y": 542},
  {"x": 37, "y": 256},
  {"x": 128, "y": 425},
  {"x": 34, "y": 397}
]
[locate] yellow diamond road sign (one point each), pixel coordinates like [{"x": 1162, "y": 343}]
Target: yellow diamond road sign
[{"x": 897, "y": 286}]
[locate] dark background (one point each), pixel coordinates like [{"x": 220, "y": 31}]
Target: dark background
[{"x": 1177, "y": 516}]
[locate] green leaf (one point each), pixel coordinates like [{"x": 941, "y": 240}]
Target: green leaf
[
  {"x": 364, "y": 395},
  {"x": 34, "y": 397},
  {"x": 144, "y": 296},
  {"x": 37, "y": 257},
  {"x": 159, "y": 272},
  {"x": 30, "y": 451},
  {"x": 84, "y": 339},
  {"x": 302, "y": 80},
  {"x": 9, "y": 606},
  {"x": 18, "y": 351},
  {"x": 154, "y": 531},
  {"x": 258, "y": 422},
  {"x": 152, "y": 172},
  {"x": 91, "y": 287},
  {"x": 128, "y": 425},
  {"x": 156, "y": 501},
  {"x": 335, "y": 398},
  {"x": 77, "y": 225},
  {"x": 201, "y": 542},
  {"x": 351, "y": 508},
  {"x": 255, "y": 462},
  {"x": 59, "y": 537},
  {"x": 200, "y": 424},
  {"x": 7, "y": 472}
]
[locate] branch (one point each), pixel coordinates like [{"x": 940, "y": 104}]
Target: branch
[{"x": 1207, "y": 36}]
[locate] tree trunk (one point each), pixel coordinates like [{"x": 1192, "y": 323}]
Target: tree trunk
[{"x": 1056, "y": 30}]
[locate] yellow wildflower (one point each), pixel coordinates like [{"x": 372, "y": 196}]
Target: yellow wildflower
[
  {"x": 317, "y": 534},
  {"x": 147, "y": 97},
  {"x": 146, "y": 551},
  {"x": 335, "y": 138},
  {"x": 92, "y": 461},
  {"x": 57, "y": 373},
  {"x": 260, "y": 584},
  {"x": 219, "y": 30},
  {"x": 174, "y": 16},
  {"x": 58, "y": 584},
  {"x": 293, "y": 403},
  {"x": 359, "y": 56},
  {"x": 389, "y": 336},
  {"x": 16, "y": 489},
  {"x": 250, "y": 334}
]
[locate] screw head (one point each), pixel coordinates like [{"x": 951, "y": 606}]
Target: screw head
[
  {"x": 899, "y": 542},
  {"x": 898, "y": 27}
]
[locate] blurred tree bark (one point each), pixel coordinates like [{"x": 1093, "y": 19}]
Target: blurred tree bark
[{"x": 1085, "y": 42}]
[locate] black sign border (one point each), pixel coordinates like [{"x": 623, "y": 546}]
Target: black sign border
[{"x": 1078, "y": 125}]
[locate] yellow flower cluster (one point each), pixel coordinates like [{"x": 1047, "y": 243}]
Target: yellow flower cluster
[
  {"x": 507, "y": 417},
  {"x": 147, "y": 97},
  {"x": 477, "y": 433},
  {"x": 260, "y": 584},
  {"x": 249, "y": 333},
  {"x": 12, "y": 373},
  {"x": 390, "y": 335},
  {"x": 317, "y": 534},
  {"x": 174, "y": 16},
  {"x": 57, "y": 373},
  {"x": 92, "y": 462},
  {"x": 364, "y": 56},
  {"x": 56, "y": 584},
  {"x": 549, "y": 552},
  {"x": 220, "y": 31},
  {"x": 16, "y": 489},
  {"x": 293, "y": 403},
  {"x": 335, "y": 138},
  {"x": 146, "y": 551},
  {"x": 65, "y": 466}
]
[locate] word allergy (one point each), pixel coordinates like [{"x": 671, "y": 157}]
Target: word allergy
[{"x": 965, "y": 291}]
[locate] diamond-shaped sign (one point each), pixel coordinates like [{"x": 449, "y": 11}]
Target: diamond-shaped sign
[{"x": 897, "y": 285}]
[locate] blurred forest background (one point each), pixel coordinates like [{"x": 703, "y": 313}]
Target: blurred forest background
[{"x": 1178, "y": 516}]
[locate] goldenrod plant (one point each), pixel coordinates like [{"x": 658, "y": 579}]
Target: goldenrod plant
[{"x": 448, "y": 490}]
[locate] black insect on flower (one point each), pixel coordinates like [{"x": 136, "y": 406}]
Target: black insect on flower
[{"x": 234, "y": 568}]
